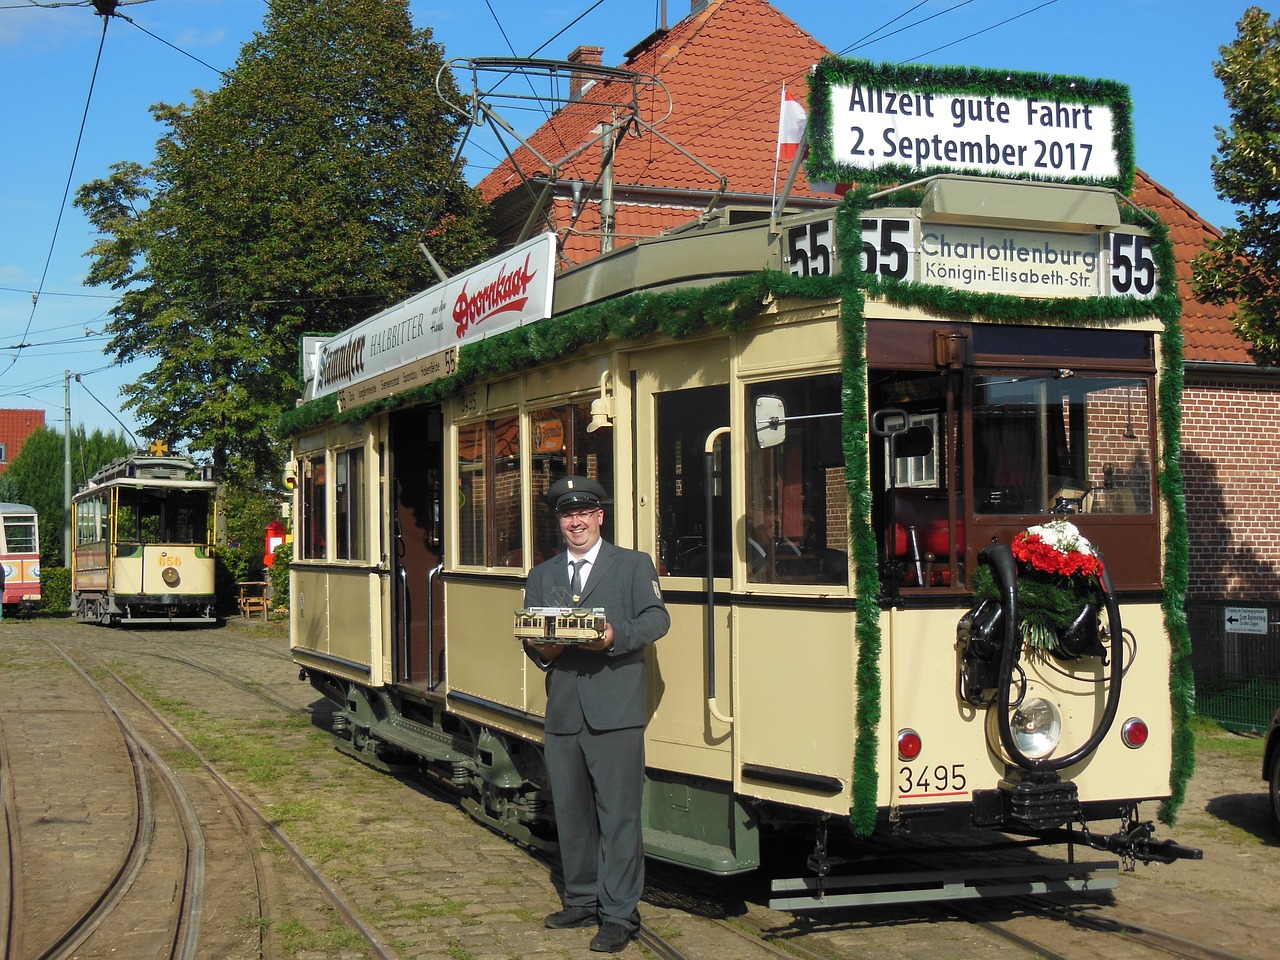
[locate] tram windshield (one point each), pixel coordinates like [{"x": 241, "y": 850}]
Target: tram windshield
[{"x": 987, "y": 445}]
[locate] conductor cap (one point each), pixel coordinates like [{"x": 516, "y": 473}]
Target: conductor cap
[{"x": 570, "y": 492}]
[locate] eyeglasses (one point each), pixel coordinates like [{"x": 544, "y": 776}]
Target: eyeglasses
[{"x": 581, "y": 513}]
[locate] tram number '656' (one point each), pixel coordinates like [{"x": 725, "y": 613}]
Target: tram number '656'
[
  {"x": 167, "y": 560},
  {"x": 809, "y": 249},
  {"x": 932, "y": 780},
  {"x": 885, "y": 250}
]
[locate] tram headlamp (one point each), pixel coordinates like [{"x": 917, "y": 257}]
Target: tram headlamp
[
  {"x": 1037, "y": 727},
  {"x": 170, "y": 576}
]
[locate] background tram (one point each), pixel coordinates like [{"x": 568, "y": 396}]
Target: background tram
[
  {"x": 144, "y": 548},
  {"x": 20, "y": 557},
  {"x": 825, "y": 465}
]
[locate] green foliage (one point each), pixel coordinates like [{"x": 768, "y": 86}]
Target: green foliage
[
  {"x": 292, "y": 199},
  {"x": 246, "y": 511},
  {"x": 1242, "y": 267},
  {"x": 55, "y": 589},
  {"x": 278, "y": 576},
  {"x": 37, "y": 473}
]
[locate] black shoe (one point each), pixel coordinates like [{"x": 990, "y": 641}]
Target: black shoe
[
  {"x": 611, "y": 938},
  {"x": 571, "y": 917}
]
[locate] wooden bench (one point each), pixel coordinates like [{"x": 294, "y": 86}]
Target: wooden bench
[{"x": 254, "y": 600}]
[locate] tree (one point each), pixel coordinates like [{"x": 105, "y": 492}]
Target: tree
[
  {"x": 290, "y": 200},
  {"x": 36, "y": 478},
  {"x": 1242, "y": 267}
]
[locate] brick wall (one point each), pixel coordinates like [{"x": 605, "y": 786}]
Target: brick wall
[
  {"x": 15, "y": 427},
  {"x": 1231, "y": 467}
]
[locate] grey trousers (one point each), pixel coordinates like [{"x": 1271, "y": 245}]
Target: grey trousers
[{"x": 597, "y": 781}]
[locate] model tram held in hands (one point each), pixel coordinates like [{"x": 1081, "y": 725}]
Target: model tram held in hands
[
  {"x": 840, "y": 471},
  {"x": 144, "y": 549}
]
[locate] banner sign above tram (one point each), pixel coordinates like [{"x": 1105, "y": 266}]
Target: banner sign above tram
[
  {"x": 880, "y": 123},
  {"x": 1024, "y": 263},
  {"x": 417, "y": 334}
]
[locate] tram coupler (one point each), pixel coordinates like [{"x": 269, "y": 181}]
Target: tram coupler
[
  {"x": 1136, "y": 842},
  {"x": 818, "y": 861}
]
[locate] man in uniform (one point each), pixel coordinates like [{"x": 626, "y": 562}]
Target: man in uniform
[{"x": 596, "y": 714}]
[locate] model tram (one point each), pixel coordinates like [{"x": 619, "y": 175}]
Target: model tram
[
  {"x": 144, "y": 543},
  {"x": 830, "y": 461},
  {"x": 19, "y": 558}
]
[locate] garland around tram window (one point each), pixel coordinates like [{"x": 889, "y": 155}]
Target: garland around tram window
[{"x": 733, "y": 304}]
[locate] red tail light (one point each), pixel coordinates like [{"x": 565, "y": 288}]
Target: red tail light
[
  {"x": 909, "y": 744},
  {"x": 1134, "y": 733}
]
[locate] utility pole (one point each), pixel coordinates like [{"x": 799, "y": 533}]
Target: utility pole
[{"x": 66, "y": 466}]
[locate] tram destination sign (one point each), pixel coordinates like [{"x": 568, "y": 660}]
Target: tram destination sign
[
  {"x": 885, "y": 124},
  {"x": 408, "y": 344},
  {"x": 1025, "y": 263}
]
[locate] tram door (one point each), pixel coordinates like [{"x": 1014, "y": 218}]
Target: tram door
[{"x": 416, "y": 538}]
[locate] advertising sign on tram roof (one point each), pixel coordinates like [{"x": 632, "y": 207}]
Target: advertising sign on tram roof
[{"x": 506, "y": 292}]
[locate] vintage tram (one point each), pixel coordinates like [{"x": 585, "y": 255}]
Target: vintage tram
[
  {"x": 830, "y": 462},
  {"x": 143, "y": 548},
  {"x": 19, "y": 558}
]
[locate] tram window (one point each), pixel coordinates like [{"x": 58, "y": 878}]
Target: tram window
[
  {"x": 20, "y": 534},
  {"x": 797, "y": 523},
  {"x": 560, "y": 447},
  {"x": 684, "y": 419},
  {"x": 349, "y": 505},
  {"x": 91, "y": 520},
  {"x": 313, "y": 494},
  {"x": 1062, "y": 443},
  {"x": 490, "y": 517}
]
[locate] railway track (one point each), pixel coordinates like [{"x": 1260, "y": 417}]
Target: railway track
[{"x": 728, "y": 923}]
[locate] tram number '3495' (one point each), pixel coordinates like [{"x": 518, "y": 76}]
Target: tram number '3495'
[
  {"x": 932, "y": 781},
  {"x": 809, "y": 249}
]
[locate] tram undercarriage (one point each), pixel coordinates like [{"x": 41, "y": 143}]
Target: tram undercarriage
[
  {"x": 985, "y": 846},
  {"x": 109, "y": 610}
]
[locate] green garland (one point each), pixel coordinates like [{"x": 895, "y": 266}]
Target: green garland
[
  {"x": 835, "y": 71},
  {"x": 733, "y": 304}
]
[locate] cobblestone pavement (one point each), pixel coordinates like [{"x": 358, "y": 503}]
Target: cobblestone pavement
[{"x": 438, "y": 886}]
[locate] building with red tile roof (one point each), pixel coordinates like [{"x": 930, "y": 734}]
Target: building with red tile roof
[
  {"x": 723, "y": 67},
  {"x": 15, "y": 427}
]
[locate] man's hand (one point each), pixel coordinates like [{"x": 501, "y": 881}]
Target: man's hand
[
  {"x": 547, "y": 651},
  {"x": 604, "y": 643}
]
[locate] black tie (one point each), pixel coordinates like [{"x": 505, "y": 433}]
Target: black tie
[{"x": 576, "y": 586}]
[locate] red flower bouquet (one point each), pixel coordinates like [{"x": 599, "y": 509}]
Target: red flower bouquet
[{"x": 1059, "y": 582}]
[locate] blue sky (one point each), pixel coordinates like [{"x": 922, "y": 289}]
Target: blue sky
[{"x": 1163, "y": 49}]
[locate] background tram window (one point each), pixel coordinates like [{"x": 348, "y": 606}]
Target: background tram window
[
  {"x": 797, "y": 527},
  {"x": 683, "y": 419},
  {"x": 20, "y": 534},
  {"x": 490, "y": 517},
  {"x": 314, "y": 507},
  {"x": 561, "y": 446},
  {"x": 349, "y": 505}
]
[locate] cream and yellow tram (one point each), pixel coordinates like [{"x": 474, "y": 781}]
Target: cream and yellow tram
[
  {"x": 144, "y": 550},
  {"x": 824, "y": 461}
]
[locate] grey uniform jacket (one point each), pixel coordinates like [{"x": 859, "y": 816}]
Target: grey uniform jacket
[{"x": 607, "y": 689}]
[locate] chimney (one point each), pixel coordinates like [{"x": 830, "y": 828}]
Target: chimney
[{"x": 588, "y": 57}]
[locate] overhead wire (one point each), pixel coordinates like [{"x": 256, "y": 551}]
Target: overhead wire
[{"x": 84, "y": 117}]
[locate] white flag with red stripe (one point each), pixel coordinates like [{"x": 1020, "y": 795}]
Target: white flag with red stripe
[{"x": 791, "y": 127}]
